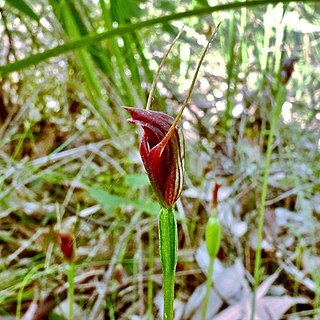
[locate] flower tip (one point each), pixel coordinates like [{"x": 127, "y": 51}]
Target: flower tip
[{"x": 134, "y": 112}]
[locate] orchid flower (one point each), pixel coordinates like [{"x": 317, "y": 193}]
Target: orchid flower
[{"x": 162, "y": 153}]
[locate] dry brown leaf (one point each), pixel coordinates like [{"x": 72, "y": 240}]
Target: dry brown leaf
[
  {"x": 229, "y": 282},
  {"x": 275, "y": 307},
  {"x": 63, "y": 310},
  {"x": 194, "y": 305},
  {"x": 45, "y": 141},
  {"x": 33, "y": 307},
  {"x": 237, "y": 311},
  {"x": 30, "y": 314},
  {"x": 266, "y": 307},
  {"x": 310, "y": 262},
  {"x": 266, "y": 284}
]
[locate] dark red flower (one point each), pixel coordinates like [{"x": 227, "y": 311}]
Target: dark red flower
[
  {"x": 162, "y": 153},
  {"x": 287, "y": 69},
  {"x": 67, "y": 246}
]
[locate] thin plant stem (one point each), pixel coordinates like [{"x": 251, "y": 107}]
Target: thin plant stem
[
  {"x": 151, "y": 268},
  {"x": 194, "y": 79},
  {"x": 168, "y": 291},
  {"x": 168, "y": 240},
  {"x": 257, "y": 263},
  {"x": 298, "y": 251},
  {"x": 155, "y": 79},
  {"x": 316, "y": 299},
  {"x": 71, "y": 271},
  {"x": 208, "y": 288}
]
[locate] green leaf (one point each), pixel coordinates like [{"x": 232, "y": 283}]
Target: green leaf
[
  {"x": 111, "y": 201},
  {"x": 167, "y": 5},
  {"x": 149, "y": 207},
  {"x": 128, "y": 8},
  {"x": 107, "y": 200},
  {"x": 137, "y": 180},
  {"x": 23, "y": 7}
]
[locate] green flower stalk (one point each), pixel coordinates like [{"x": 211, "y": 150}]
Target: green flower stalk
[
  {"x": 168, "y": 236},
  {"x": 68, "y": 248},
  {"x": 213, "y": 238}
]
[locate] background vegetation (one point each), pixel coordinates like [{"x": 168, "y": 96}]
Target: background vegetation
[{"x": 69, "y": 160}]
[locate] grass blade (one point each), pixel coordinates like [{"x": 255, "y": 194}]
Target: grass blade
[
  {"x": 24, "y": 8},
  {"x": 94, "y": 88}
]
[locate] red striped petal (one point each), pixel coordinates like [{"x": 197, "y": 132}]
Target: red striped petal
[{"x": 163, "y": 159}]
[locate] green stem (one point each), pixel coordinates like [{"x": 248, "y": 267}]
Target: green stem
[
  {"x": 71, "y": 271},
  {"x": 168, "y": 292},
  {"x": 257, "y": 263},
  {"x": 194, "y": 79},
  {"x": 151, "y": 268},
  {"x": 168, "y": 239},
  {"x": 316, "y": 299},
  {"x": 296, "y": 283},
  {"x": 208, "y": 288}
]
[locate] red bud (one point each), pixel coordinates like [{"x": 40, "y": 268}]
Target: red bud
[
  {"x": 215, "y": 195},
  {"x": 67, "y": 246},
  {"x": 162, "y": 154},
  {"x": 287, "y": 69},
  {"x": 213, "y": 236}
]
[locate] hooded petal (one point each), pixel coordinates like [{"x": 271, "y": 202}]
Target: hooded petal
[
  {"x": 67, "y": 246},
  {"x": 163, "y": 158}
]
